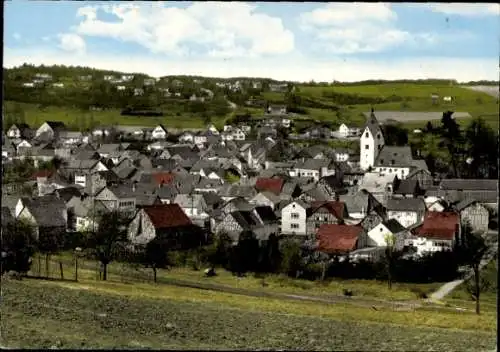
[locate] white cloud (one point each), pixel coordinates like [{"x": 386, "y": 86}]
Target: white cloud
[
  {"x": 349, "y": 28},
  {"x": 71, "y": 42},
  {"x": 16, "y": 36},
  {"x": 466, "y": 10},
  {"x": 297, "y": 68},
  {"x": 232, "y": 29}
]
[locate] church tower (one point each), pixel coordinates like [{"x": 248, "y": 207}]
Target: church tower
[{"x": 371, "y": 142}]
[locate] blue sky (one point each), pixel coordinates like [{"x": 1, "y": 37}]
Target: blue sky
[{"x": 293, "y": 41}]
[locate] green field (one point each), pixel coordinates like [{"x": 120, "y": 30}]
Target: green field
[
  {"x": 35, "y": 116},
  {"x": 111, "y": 314},
  {"x": 417, "y": 98}
]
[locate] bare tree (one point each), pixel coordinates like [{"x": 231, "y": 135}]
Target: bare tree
[{"x": 474, "y": 249}]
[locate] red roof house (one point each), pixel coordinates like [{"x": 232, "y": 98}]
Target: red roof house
[
  {"x": 273, "y": 185},
  {"x": 42, "y": 173},
  {"x": 335, "y": 238},
  {"x": 439, "y": 225},
  {"x": 160, "y": 178},
  {"x": 337, "y": 209},
  {"x": 166, "y": 220},
  {"x": 166, "y": 216}
]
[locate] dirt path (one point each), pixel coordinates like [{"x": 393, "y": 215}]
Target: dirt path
[{"x": 447, "y": 288}]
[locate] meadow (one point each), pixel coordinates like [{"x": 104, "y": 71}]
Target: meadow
[
  {"x": 35, "y": 116},
  {"x": 111, "y": 314},
  {"x": 416, "y": 98}
]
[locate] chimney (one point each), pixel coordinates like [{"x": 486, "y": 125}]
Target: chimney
[{"x": 133, "y": 187}]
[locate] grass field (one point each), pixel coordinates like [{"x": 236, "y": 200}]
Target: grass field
[
  {"x": 273, "y": 283},
  {"x": 35, "y": 116},
  {"x": 110, "y": 314},
  {"x": 418, "y": 98}
]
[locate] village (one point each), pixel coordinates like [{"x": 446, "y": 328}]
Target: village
[{"x": 338, "y": 201}]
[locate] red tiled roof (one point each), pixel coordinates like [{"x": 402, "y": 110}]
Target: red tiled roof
[
  {"x": 335, "y": 208},
  {"x": 335, "y": 238},
  {"x": 163, "y": 178},
  {"x": 167, "y": 216},
  {"x": 42, "y": 173},
  {"x": 441, "y": 225},
  {"x": 273, "y": 185}
]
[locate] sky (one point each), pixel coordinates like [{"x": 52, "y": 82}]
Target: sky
[{"x": 284, "y": 41}]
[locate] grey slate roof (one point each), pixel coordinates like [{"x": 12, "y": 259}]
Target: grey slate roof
[
  {"x": 394, "y": 226},
  {"x": 469, "y": 184},
  {"x": 394, "y": 156},
  {"x": 406, "y": 186},
  {"x": 47, "y": 211},
  {"x": 313, "y": 164},
  {"x": 372, "y": 125},
  {"x": 406, "y": 204}
]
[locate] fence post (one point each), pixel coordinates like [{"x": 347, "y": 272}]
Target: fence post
[{"x": 61, "y": 270}]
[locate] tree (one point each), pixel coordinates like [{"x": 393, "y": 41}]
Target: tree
[
  {"x": 109, "y": 239},
  {"x": 17, "y": 247},
  {"x": 50, "y": 241},
  {"x": 221, "y": 248},
  {"x": 429, "y": 127},
  {"x": 482, "y": 147},
  {"x": 390, "y": 249},
  {"x": 291, "y": 262},
  {"x": 155, "y": 255},
  {"x": 394, "y": 134},
  {"x": 473, "y": 250}
]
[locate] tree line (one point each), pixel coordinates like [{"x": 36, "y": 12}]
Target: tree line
[{"x": 450, "y": 150}]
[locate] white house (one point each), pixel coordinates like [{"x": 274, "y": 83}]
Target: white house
[
  {"x": 377, "y": 236},
  {"x": 58, "y": 85},
  {"x": 394, "y": 160},
  {"x": 314, "y": 168},
  {"x": 345, "y": 131},
  {"x": 294, "y": 218},
  {"x": 29, "y": 85},
  {"x": 159, "y": 132},
  {"x": 407, "y": 211},
  {"x": 439, "y": 232},
  {"x": 193, "y": 205},
  {"x": 213, "y": 129},
  {"x": 187, "y": 137},
  {"x": 371, "y": 142}
]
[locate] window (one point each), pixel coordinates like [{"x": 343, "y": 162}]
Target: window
[
  {"x": 367, "y": 146},
  {"x": 294, "y": 215},
  {"x": 392, "y": 162},
  {"x": 366, "y": 134},
  {"x": 378, "y": 135},
  {"x": 294, "y": 226},
  {"x": 381, "y": 161}
]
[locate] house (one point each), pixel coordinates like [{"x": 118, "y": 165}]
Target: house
[
  {"x": 72, "y": 138},
  {"x": 407, "y": 211},
  {"x": 50, "y": 130},
  {"x": 47, "y": 215},
  {"x": 118, "y": 197},
  {"x": 266, "y": 198},
  {"x": 407, "y": 188},
  {"x": 276, "y": 109},
  {"x": 371, "y": 142},
  {"x": 439, "y": 231},
  {"x": 377, "y": 236},
  {"x": 473, "y": 213},
  {"x": 434, "y": 203},
  {"x": 166, "y": 221},
  {"x": 331, "y": 185},
  {"x": 394, "y": 160},
  {"x": 345, "y": 131},
  {"x": 422, "y": 175},
  {"x": 20, "y": 130},
  {"x": 194, "y": 206},
  {"x": 83, "y": 213},
  {"x": 159, "y": 132},
  {"x": 330, "y": 212},
  {"x": 313, "y": 168},
  {"x": 337, "y": 239},
  {"x": 481, "y": 190},
  {"x": 237, "y": 222},
  {"x": 359, "y": 204},
  {"x": 379, "y": 185},
  {"x": 187, "y": 137},
  {"x": 101, "y": 131},
  {"x": 294, "y": 218},
  {"x": 273, "y": 185},
  {"x": 231, "y": 191},
  {"x": 78, "y": 168}
]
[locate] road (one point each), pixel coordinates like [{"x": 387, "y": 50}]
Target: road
[{"x": 491, "y": 238}]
